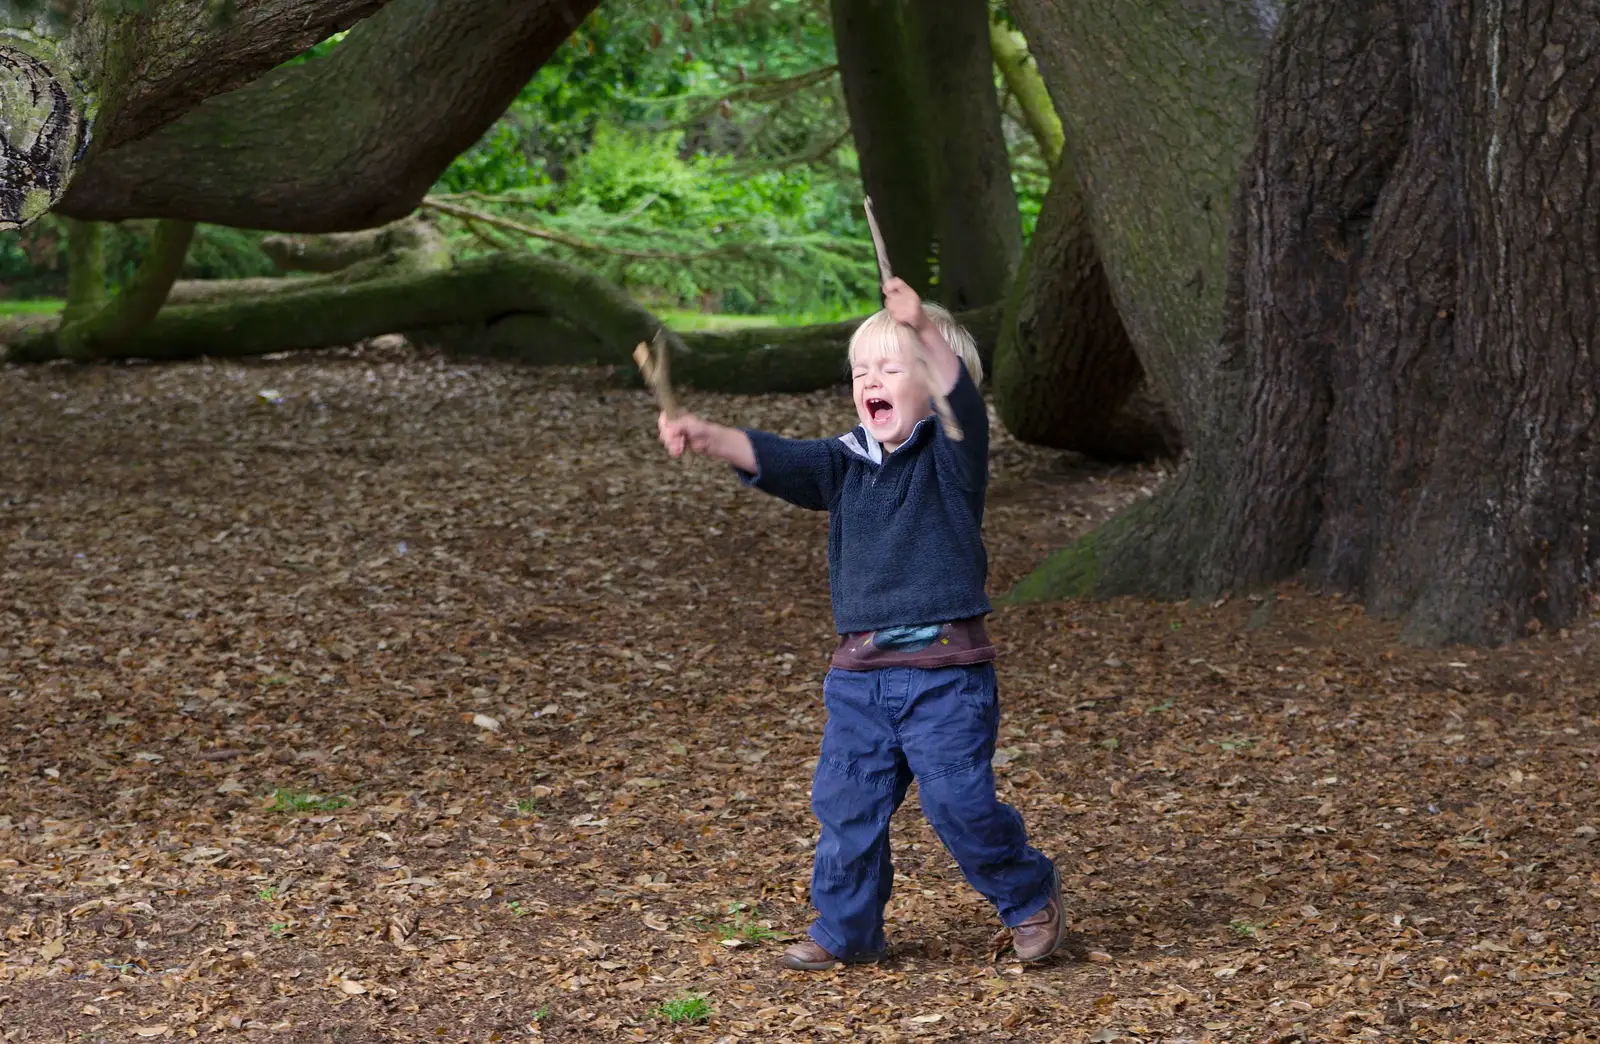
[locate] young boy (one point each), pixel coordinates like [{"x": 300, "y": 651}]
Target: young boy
[{"x": 911, "y": 692}]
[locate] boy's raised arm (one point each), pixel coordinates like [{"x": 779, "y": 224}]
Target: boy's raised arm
[{"x": 906, "y": 307}]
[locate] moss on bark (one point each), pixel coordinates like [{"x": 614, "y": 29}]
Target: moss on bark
[{"x": 120, "y": 319}]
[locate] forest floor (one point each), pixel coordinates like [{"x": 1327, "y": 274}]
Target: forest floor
[{"x": 368, "y": 697}]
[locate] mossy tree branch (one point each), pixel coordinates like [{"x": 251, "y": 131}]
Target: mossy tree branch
[{"x": 104, "y": 330}]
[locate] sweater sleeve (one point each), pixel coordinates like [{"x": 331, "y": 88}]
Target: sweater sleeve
[
  {"x": 805, "y": 472},
  {"x": 966, "y": 461}
]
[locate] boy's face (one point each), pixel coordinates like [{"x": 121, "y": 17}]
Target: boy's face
[{"x": 890, "y": 397}]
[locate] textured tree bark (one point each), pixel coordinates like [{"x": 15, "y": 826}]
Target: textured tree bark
[
  {"x": 882, "y": 78},
  {"x": 157, "y": 63},
  {"x": 979, "y": 228},
  {"x": 41, "y": 134},
  {"x": 349, "y": 141},
  {"x": 409, "y": 247},
  {"x": 1064, "y": 372},
  {"x": 1404, "y": 396},
  {"x": 86, "y": 268},
  {"x": 339, "y": 250},
  {"x": 130, "y": 69},
  {"x": 1156, "y": 99}
]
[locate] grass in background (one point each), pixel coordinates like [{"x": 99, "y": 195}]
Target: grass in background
[
  {"x": 41, "y": 306},
  {"x": 703, "y": 322}
]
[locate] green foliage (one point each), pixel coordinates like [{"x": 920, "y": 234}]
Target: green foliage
[
  {"x": 697, "y": 152},
  {"x": 300, "y": 801},
  {"x": 316, "y": 50},
  {"x": 32, "y": 306},
  {"x": 33, "y": 260},
  {"x": 686, "y": 1007},
  {"x": 217, "y": 252}
]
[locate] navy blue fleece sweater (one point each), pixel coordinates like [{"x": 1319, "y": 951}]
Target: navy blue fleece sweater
[{"x": 905, "y": 541}]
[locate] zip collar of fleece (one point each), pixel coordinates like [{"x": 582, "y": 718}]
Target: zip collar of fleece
[{"x": 863, "y": 445}]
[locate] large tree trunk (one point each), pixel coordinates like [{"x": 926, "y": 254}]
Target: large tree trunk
[
  {"x": 351, "y": 140},
  {"x": 1405, "y": 402},
  {"x": 1065, "y": 375},
  {"x": 979, "y": 228},
  {"x": 129, "y": 69},
  {"x": 882, "y": 76},
  {"x": 1156, "y": 98}
]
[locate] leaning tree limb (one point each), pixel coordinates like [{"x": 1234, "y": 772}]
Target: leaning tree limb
[
  {"x": 337, "y": 251},
  {"x": 1021, "y": 74},
  {"x": 513, "y": 306},
  {"x": 351, "y": 140},
  {"x": 120, "y": 318},
  {"x": 1065, "y": 375},
  {"x": 329, "y": 315},
  {"x": 411, "y": 246},
  {"x": 1156, "y": 101}
]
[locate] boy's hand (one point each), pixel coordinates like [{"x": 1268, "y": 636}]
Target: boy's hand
[
  {"x": 904, "y": 305},
  {"x": 685, "y": 432}
]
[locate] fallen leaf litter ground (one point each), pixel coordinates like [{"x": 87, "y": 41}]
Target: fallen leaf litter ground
[{"x": 428, "y": 701}]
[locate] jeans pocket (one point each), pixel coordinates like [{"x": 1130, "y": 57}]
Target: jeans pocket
[{"x": 980, "y": 691}]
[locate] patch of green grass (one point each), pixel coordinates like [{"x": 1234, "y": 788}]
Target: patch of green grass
[
  {"x": 517, "y": 909},
  {"x": 742, "y": 927},
  {"x": 542, "y": 1014},
  {"x": 268, "y": 895},
  {"x": 1245, "y": 929},
  {"x": 1237, "y": 743},
  {"x": 686, "y": 1007},
  {"x": 38, "y": 306},
  {"x": 304, "y": 801},
  {"x": 277, "y": 929},
  {"x": 527, "y": 806}
]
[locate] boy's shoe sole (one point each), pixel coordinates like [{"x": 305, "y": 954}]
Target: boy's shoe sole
[{"x": 810, "y": 956}]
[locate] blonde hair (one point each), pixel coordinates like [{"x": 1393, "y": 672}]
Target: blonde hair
[{"x": 880, "y": 337}]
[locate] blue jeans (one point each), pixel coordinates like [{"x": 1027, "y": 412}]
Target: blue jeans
[{"x": 886, "y": 727}]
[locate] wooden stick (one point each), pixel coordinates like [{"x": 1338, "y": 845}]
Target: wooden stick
[
  {"x": 941, "y": 405},
  {"x": 654, "y": 369}
]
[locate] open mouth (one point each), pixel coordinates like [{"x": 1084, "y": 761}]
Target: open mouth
[{"x": 880, "y": 410}]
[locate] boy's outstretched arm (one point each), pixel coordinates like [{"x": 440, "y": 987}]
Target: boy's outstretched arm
[
  {"x": 688, "y": 432},
  {"x": 903, "y": 303}
]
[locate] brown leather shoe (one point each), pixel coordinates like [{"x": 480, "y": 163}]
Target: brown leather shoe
[
  {"x": 807, "y": 955},
  {"x": 1043, "y": 933}
]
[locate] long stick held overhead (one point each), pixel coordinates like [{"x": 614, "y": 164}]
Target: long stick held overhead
[
  {"x": 941, "y": 405},
  {"x": 877, "y": 242}
]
